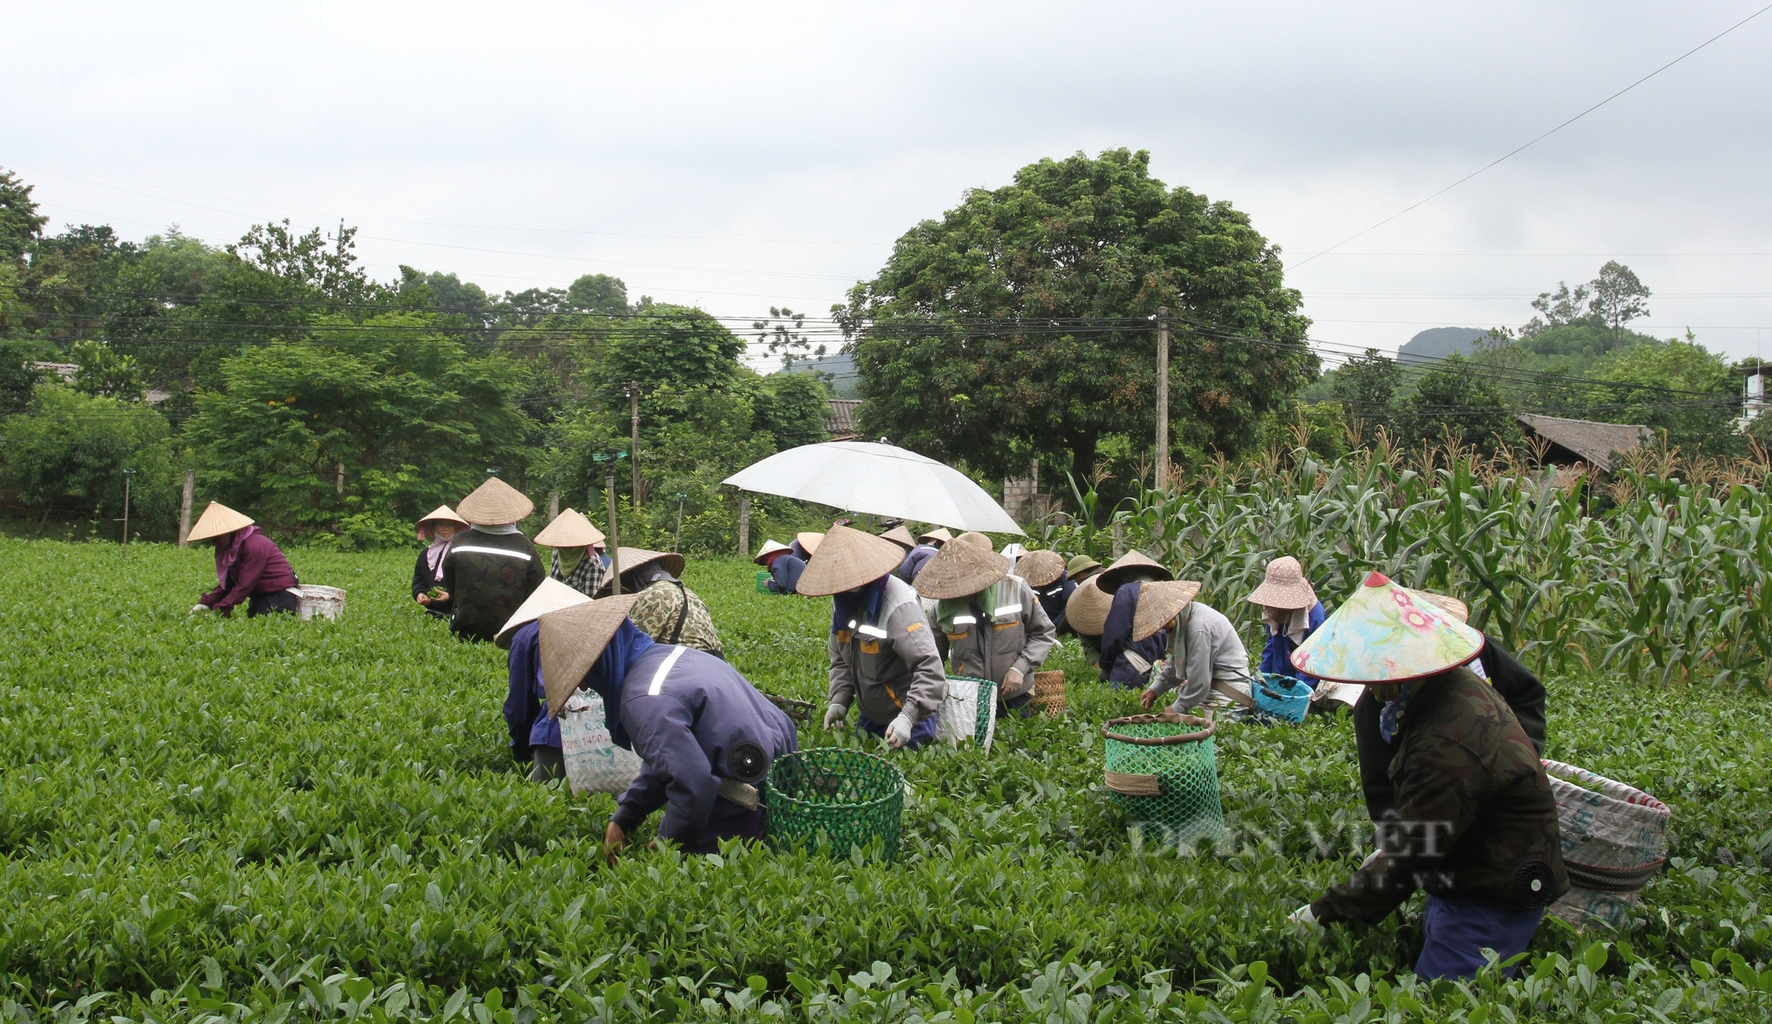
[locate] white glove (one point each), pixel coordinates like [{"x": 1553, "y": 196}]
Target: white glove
[
  {"x": 1305, "y": 919},
  {"x": 898, "y": 733},
  {"x": 833, "y": 717},
  {"x": 199, "y": 608},
  {"x": 1012, "y": 681}
]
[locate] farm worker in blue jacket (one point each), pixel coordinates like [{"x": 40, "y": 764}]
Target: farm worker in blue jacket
[
  {"x": 784, "y": 567},
  {"x": 705, "y": 735},
  {"x": 920, "y": 554},
  {"x": 1126, "y": 662},
  {"x": 990, "y": 621},
  {"x": 1290, "y": 612},
  {"x": 1044, "y": 571},
  {"x": 883, "y": 655},
  {"x": 535, "y": 737}
]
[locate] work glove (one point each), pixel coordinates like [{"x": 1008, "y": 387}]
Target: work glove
[
  {"x": 833, "y": 717},
  {"x": 199, "y": 608},
  {"x": 1148, "y": 698},
  {"x": 1012, "y": 682},
  {"x": 1305, "y": 919},
  {"x": 898, "y": 733}
]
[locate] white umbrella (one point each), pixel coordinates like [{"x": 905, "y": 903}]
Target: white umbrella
[{"x": 862, "y": 476}]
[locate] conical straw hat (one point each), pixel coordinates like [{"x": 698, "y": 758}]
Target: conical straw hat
[
  {"x": 960, "y": 570},
  {"x": 1040, "y": 568},
  {"x": 570, "y": 529},
  {"x": 977, "y": 540},
  {"x": 846, "y": 559},
  {"x": 1451, "y": 605},
  {"x": 937, "y": 536},
  {"x": 1159, "y": 602},
  {"x": 216, "y": 520},
  {"x": 628, "y": 559},
  {"x": 1383, "y": 634},
  {"x": 900, "y": 536},
  {"x": 1130, "y": 564},
  {"x": 551, "y": 596},
  {"x": 495, "y": 503},
  {"x": 443, "y": 514},
  {"x": 810, "y": 541},
  {"x": 770, "y": 547},
  {"x": 571, "y": 641},
  {"x": 1284, "y": 586},
  {"x": 1086, "y": 611}
]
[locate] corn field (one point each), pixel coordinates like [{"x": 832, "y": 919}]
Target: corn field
[{"x": 1656, "y": 575}]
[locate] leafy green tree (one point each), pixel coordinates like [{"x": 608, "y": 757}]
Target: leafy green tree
[
  {"x": 1680, "y": 387},
  {"x": 327, "y": 263},
  {"x": 598, "y": 293},
  {"x": 70, "y": 445},
  {"x": 1558, "y": 308},
  {"x": 1366, "y": 386},
  {"x": 105, "y": 373},
  {"x": 18, "y": 377},
  {"x": 1080, "y": 239},
  {"x": 1452, "y": 402},
  {"x": 412, "y": 416},
  {"x": 20, "y": 223},
  {"x": 71, "y": 279},
  {"x": 1619, "y": 297},
  {"x": 671, "y": 346}
]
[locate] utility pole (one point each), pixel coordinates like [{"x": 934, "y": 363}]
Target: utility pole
[
  {"x": 1162, "y": 398},
  {"x": 184, "y": 509},
  {"x": 128, "y": 478},
  {"x": 634, "y": 442},
  {"x": 744, "y": 523},
  {"x": 609, "y": 462},
  {"x": 677, "y": 541}
]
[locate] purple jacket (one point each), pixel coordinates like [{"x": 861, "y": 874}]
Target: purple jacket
[
  {"x": 684, "y": 711},
  {"x": 526, "y": 702},
  {"x": 260, "y": 568},
  {"x": 913, "y": 562}
]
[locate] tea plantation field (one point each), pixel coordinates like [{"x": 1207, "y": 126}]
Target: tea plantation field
[{"x": 276, "y": 820}]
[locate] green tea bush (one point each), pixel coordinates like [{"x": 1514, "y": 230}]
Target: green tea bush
[{"x": 271, "y": 820}]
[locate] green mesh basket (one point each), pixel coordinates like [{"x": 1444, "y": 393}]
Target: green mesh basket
[
  {"x": 1163, "y": 773},
  {"x": 846, "y": 798}
]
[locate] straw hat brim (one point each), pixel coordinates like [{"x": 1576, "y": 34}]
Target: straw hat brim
[
  {"x": 1086, "y": 611},
  {"x": 216, "y": 520},
  {"x": 1158, "y": 605},
  {"x": 977, "y": 540},
  {"x": 770, "y": 547},
  {"x": 572, "y": 639},
  {"x": 1287, "y": 594},
  {"x": 551, "y": 596},
  {"x": 1383, "y": 634},
  {"x": 846, "y": 559},
  {"x": 960, "y": 570},
  {"x": 1041, "y": 568},
  {"x": 495, "y": 503},
  {"x": 443, "y": 514},
  {"x": 629, "y": 559},
  {"x": 938, "y": 536},
  {"x": 809, "y": 541},
  {"x": 1130, "y": 564},
  {"x": 1080, "y": 563},
  {"x": 570, "y": 529},
  {"x": 1452, "y": 605},
  {"x": 900, "y": 536}
]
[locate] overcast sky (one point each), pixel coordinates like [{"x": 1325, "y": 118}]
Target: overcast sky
[{"x": 738, "y": 156}]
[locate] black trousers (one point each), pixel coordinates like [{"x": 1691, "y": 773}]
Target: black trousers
[
  {"x": 548, "y": 763},
  {"x": 265, "y": 604}
]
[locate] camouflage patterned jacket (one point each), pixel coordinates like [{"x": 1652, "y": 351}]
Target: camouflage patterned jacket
[
  {"x": 1474, "y": 813},
  {"x": 662, "y": 605},
  {"x": 488, "y": 575}
]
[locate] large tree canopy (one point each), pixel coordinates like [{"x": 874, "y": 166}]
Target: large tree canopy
[{"x": 1064, "y": 264}]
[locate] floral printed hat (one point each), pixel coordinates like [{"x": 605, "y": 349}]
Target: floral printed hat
[{"x": 1384, "y": 634}]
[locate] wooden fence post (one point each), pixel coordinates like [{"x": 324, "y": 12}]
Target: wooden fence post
[
  {"x": 184, "y": 508},
  {"x": 744, "y": 524}
]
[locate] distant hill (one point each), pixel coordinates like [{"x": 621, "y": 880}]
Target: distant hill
[
  {"x": 839, "y": 370},
  {"x": 1440, "y": 342}
]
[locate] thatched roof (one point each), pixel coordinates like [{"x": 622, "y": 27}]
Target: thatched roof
[{"x": 1597, "y": 444}]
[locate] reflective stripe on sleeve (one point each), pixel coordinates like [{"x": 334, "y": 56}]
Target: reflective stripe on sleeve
[{"x": 658, "y": 677}]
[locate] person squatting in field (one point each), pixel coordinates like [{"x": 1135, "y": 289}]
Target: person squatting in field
[
  {"x": 704, "y": 734},
  {"x": 1125, "y": 662},
  {"x": 883, "y": 653},
  {"x": 784, "y": 567},
  {"x": 1473, "y": 820},
  {"x": 990, "y": 622},
  {"x": 665, "y": 609},
  {"x": 249, "y": 567},
  {"x": 492, "y": 568}
]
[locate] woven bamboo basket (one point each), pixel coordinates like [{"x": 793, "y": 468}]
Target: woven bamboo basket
[{"x": 1049, "y": 693}]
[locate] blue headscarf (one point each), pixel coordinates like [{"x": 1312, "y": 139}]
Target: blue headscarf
[
  {"x": 610, "y": 672},
  {"x": 858, "y": 605}
]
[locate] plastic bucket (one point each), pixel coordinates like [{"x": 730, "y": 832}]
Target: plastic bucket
[
  {"x": 316, "y": 602},
  {"x": 1282, "y": 696},
  {"x": 836, "y": 798}
]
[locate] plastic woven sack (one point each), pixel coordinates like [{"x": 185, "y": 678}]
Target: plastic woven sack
[
  {"x": 970, "y": 712},
  {"x": 846, "y": 799},
  {"x": 594, "y": 764},
  {"x": 1163, "y": 772},
  {"x": 1282, "y": 697},
  {"x": 1614, "y": 840}
]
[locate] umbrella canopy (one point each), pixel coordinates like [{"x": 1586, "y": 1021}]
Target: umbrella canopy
[{"x": 863, "y": 476}]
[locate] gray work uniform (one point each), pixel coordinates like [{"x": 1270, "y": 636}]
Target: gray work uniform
[
  {"x": 889, "y": 665},
  {"x": 1204, "y": 648},
  {"x": 1018, "y": 635}
]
